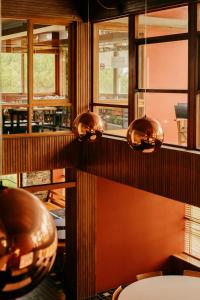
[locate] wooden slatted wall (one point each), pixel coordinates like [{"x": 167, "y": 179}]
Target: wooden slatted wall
[
  {"x": 169, "y": 172},
  {"x": 37, "y": 8},
  {"x": 86, "y": 209},
  {"x": 31, "y": 153}
]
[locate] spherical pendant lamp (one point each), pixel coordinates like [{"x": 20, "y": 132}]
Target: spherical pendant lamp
[
  {"x": 145, "y": 135},
  {"x": 88, "y": 127},
  {"x": 28, "y": 242}
]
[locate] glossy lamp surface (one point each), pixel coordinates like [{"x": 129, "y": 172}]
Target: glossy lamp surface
[
  {"x": 28, "y": 242},
  {"x": 145, "y": 135},
  {"x": 88, "y": 127}
]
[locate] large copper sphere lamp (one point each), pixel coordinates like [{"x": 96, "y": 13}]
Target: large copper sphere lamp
[
  {"x": 28, "y": 242},
  {"x": 88, "y": 127},
  {"x": 145, "y": 135}
]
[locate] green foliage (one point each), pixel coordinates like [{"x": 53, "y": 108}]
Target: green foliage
[
  {"x": 44, "y": 73},
  {"x": 10, "y": 64}
]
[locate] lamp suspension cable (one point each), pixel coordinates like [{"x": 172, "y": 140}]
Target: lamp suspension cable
[
  {"x": 104, "y": 6},
  {"x": 88, "y": 58},
  {"x": 145, "y": 49}
]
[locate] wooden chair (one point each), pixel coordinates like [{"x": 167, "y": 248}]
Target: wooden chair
[
  {"x": 150, "y": 274},
  {"x": 116, "y": 293},
  {"x": 191, "y": 273}
]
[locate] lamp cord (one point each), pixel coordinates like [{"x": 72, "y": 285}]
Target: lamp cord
[
  {"x": 104, "y": 6},
  {"x": 88, "y": 75}
]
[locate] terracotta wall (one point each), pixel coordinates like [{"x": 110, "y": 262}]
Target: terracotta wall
[{"x": 136, "y": 231}]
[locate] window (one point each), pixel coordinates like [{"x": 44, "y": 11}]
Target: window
[
  {"x": 41, "y": 103},
  {"x": 110, "y": 98},
  {"x": 162, "y": 71},
  {"x": 192, "y": 230}
]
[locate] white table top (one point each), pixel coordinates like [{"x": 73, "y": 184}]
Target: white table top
[{"x": 163, "y": 288}]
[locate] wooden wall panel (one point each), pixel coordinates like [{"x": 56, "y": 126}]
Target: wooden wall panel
[
  {"x": 82, "y": 80},
  {"x": 171, "y": 173},
  {"x": 31, "y": 153},
  {"x": 37, "y": 8},
  {"x": 86, "y": 221}
]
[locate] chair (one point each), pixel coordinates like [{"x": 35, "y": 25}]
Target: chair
[
  {"x": 116, "y": 293},
  {"x": 150, "y": 274},
  {"x": 191, "y": 273}
]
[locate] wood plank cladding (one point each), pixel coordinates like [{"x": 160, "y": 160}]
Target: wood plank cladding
[
  {"x": 86, "y": 206},
  {"x": 170, "y": 173},
  {"x": 83, "y": 77},
  {"x": 126, "y": 7},
  {"x": 36, "y": 8},
  {"x": 38, "y": 152}
]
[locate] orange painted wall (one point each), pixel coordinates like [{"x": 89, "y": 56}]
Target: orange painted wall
[{"x": 136, "y": 231}]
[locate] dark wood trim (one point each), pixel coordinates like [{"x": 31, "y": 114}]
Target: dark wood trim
[
  {"x": 72, "y": 69},
  {"x": 161, "y": 91},
  {"x": 162, "y": 39},
  {"x": 110, "y": 105},
  {"x": 192, "y": 75},
  {"x": 132, "y": 69}
]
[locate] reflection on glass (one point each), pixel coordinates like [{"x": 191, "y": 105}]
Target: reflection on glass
[
  {"x": 58, "y": 175},
  {"x": 14, "y": 120},
  {"x": 163, "y": 22},
  {"x": 13, "y": 62},
  {"x": 163, "y": 65},
  {"x": 46, "y": 118},
  {"x": 113, "y": 61},
  {"x": 9, "y": 180},
  {"x": 36, "y": 178},
  {"x": 170, "y": 110},
  {"x": 50, "y": 62},
  {"x": 115, "y": 120},
  {"x": 198, "y": 123}
]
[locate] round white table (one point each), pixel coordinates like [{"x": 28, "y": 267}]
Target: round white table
[{"x": 163, "y": 288}]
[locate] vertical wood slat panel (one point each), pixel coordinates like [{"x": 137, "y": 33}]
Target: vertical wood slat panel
[
  {"x": 37, "y": 8},
  {"x": 82, "y": 80},
  {"x": 169, "y": 172},
  {"x": 32, "y": 153},
  {"x": 86, "y": 204}
]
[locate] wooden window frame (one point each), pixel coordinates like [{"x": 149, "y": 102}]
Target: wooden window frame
[
  {"x": 193, "y": 62},
  {"x": 30, "y": 52}
]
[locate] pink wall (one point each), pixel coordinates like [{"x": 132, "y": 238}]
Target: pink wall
[
  {"x": 167, "y": 68},
  {"x": 136, "y": 232}
]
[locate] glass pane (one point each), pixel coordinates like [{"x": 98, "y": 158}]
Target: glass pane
[
  {"x": 50, "y": 62},
  {"x": 58, "y": 175},
  {"x": 47, "y": 118},
  {"x": 163, "y": 22},
  {"x": 198, "y": 16},
  {"x": 113, "y": 62},
  {"x": 115, "y": 120},
  {"x": 14, "y": 120},
  {"x": 9, "y": 180},
  {"x": 163, "y": 65},
  {"x": 170, "y": 110},
  {"x": 198, "y": 123},
  {"x": 13, "y": 62},
  {"x": 36, "y": 178}
]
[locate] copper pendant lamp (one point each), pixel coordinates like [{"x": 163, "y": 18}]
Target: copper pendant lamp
[
  {"x": 145, "y": 135},
  {"x": 88, "y": 126},
  {"x": 28, "y": 242}
]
